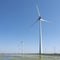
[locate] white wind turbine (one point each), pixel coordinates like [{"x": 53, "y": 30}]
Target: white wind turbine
[{"x": 40, "y": 20}]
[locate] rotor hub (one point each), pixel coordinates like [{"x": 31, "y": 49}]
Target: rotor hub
[{"x": 39, "y": 18}]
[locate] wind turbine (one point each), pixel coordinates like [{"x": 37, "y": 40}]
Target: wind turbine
[{"x": 40, "y": 20}]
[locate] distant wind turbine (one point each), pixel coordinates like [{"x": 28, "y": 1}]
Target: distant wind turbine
[{"x": 40, "y": 20}]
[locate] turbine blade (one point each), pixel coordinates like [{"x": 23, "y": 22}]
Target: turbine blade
[
  {"x": 43, "y": 20},
  {"x": 37, "y": 10},
  {"x": 35, "y": 22}
]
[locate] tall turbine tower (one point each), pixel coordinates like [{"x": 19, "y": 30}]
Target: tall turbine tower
[{"x": 40, "y": 20}]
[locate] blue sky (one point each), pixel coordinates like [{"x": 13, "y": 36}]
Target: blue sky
[{"x": 16, "y": 18}]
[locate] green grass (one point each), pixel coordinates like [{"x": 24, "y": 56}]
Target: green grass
[
  {"x": 1, "y": 56},
  {"x": 33, "y": 57},
  {"x": 26, "y": 59}
]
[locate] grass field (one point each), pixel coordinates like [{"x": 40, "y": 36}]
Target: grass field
[{"x": 30, "y": 57}]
